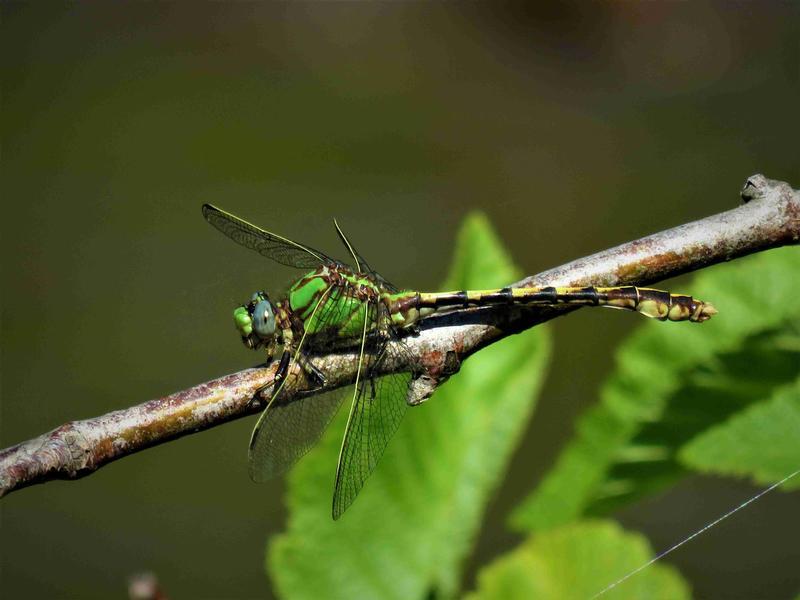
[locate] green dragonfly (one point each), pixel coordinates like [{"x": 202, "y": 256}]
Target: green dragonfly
[{"x": 338, "y": 306}]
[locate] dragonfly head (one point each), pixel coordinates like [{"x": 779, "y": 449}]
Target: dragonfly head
[{"x": 255, "y": 321}]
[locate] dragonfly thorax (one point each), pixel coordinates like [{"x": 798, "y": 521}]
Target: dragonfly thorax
[{"x": 331, "y": 300}]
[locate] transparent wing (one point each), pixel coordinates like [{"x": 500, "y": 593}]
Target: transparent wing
[
  {"x": 365, "y": 268},
  {"x": 271, "y": 245},
  {"x": 339, "y": 324},
  {"x": 378, "y": 407},
  {"x": 288, "y": 430},
  {"x": 361, "y": 264}
]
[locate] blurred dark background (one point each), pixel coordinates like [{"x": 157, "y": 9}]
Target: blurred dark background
[{"x": 574, "y": 126}]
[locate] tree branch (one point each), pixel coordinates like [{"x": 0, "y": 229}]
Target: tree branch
[{"x": 769, "y": 218}]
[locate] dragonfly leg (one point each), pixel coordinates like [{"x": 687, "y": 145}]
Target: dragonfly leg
[
  {"x": 283, "y": 367},
  {"x": 280, "y": 375},
  {"x": 270, "y": 350},
  {"x": 317, "y": 376}
]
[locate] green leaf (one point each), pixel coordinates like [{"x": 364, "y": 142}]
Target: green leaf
[
  {"x": 415, "y": 520},
  {"x": 760, "y": 442},
  {"x": 672, "y": 382},
  {"x": 578, "y": 561}
]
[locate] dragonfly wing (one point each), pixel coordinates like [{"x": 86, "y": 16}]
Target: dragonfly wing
[
  {"x": 377, "y": 411},
  {"x": 287, "y": 430},
  {"x": 271, "y": 245},
  {"x": 379, "y": 404},
  {"x": 387, "y": 285},
  {"x": 361, "y": 264}
]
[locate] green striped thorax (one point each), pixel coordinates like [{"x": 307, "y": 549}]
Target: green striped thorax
[{"x": 332, "y": 299}]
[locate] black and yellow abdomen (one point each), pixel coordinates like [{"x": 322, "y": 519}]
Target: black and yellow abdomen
[{"x": 656, "y": 304}]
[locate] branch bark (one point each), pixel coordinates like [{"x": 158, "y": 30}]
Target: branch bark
[{"x": 769, "y": 218}]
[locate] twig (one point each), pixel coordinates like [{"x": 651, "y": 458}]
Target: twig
[{"x": 769, "y": 218}]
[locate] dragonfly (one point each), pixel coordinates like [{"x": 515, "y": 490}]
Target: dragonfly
[{"x": 338, "y": 306}]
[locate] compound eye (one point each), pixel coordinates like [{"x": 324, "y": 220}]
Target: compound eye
[{"x": 263, "y": 319}]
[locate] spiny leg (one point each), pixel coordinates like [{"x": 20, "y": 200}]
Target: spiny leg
[
  {"x": 277, "y": 381},
  {"x": 282, "y": 370},
  {"x": 312, "y": 371}
]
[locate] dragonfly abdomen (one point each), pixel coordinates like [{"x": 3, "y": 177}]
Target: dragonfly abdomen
[{"x": 652, "y": 303}]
